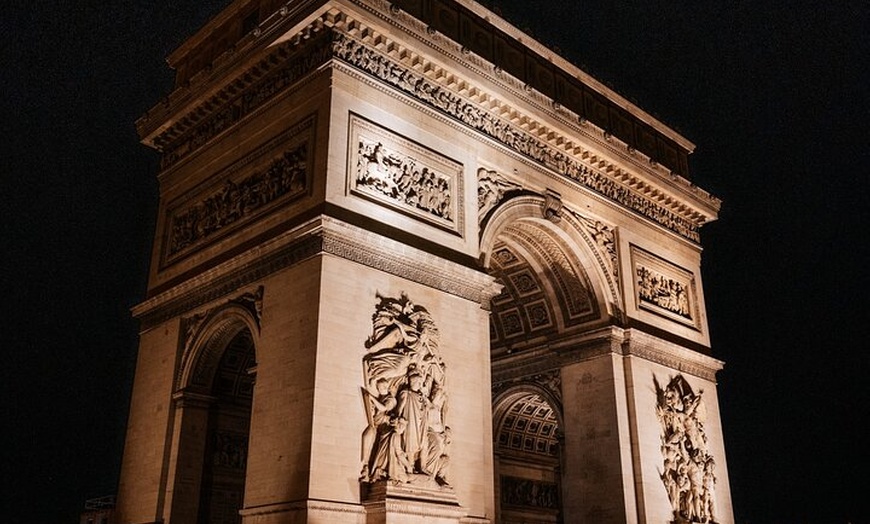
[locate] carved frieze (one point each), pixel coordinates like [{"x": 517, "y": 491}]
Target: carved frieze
[
  {"x": 664, "y": 288},
  {"x": 442, "y": 99},
  {"x": 688, "y": 469},
  {"x": 529, "y": 493},
  {"x": 230, "y": 451},
  {"x": 406, "y": 440},
  {"x": 240, "y": 194},
  {"x": 404, "y": 175}
]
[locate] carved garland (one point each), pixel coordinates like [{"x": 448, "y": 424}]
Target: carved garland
[{"x": 438, "y": 97}]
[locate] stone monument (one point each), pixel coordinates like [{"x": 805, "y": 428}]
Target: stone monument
[{"x": 412, "y": 266}]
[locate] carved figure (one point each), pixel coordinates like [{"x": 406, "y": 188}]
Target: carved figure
[
  {"x": 687, "y": 467},
  {"x": 406, "y": 440},
  {"x": 491, "y": 188},
  {"x": 382, "y": 402}
]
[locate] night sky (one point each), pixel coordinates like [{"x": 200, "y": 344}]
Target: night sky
[{"x": 775, "y": 94}]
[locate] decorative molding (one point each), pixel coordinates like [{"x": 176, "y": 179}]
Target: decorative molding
[
  {"x": 688, "y": 468},
  {"x": 664, "y": 288},
  {"x": 674, "y": 356},
  {"x": 321, "y": 235},
  {"x": 238, "y": 194},
  {"x": 370, "y": 249},
  {"x": 311, "y": 505},
  {"x": 434, "y": 95},
  {"x": 404, "y": 175}
]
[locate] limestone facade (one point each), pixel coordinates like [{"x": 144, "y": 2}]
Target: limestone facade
[{"x": 412, "y": 266}]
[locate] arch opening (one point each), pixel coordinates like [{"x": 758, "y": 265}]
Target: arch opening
[
  {"x": 528, "y": 450},
  {"x": 227, "y": 433},
  {"x": 557, "y": 288},
  {"x": 547, "y": 293}
]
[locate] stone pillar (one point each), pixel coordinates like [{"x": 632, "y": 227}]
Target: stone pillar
[
  {"x": 597, "y": 480},
  {"x": 186, "y": 463}
]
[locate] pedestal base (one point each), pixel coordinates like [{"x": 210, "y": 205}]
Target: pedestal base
[{"x": 389, "y": 503}]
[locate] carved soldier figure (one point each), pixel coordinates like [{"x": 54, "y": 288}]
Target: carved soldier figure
[{"x": 381, "y": 402}]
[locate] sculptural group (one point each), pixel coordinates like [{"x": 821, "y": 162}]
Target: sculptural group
[{"x": 406, "y": 440}]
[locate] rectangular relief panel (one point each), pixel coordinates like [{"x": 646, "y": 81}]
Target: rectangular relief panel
[
  {"x": 405, "y": 176},
  {"x": 270, "y": 176},
  {"x": 664, "y": 288}
]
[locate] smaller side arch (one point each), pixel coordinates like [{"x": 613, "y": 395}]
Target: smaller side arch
[
  {"x": 504, "y": 400},
  {"x": 529, "y": 454},
  {"x": 202, "y": 356}
]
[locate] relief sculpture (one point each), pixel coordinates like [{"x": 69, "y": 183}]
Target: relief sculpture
[
  {"x": 404, "y": 175},
  {"x": 664, "y": 292},
  {"x": 406, "y": 440},
  {"x": 491, "y": 189},
  {"x": 400, "y": 178},
  {"x": 688, "y": 469},
  {"x": 284, "y": 178}
]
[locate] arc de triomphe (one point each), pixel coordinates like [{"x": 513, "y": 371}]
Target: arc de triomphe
[{"x": 412, "y": 266}]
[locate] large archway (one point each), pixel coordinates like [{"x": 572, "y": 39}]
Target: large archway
[
  {"x": 558, "y": 286},
  {"x": 214, "y": 403},
  {"x": 226, "y": 440}
]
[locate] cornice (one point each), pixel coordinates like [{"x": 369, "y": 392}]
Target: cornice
[
  {"x": 671, "y": 355},
  {"x": 604, "y": 341},
  {"x": 214, "y": 88},
  {"x": 436, "y": 87},
  {"x": 664, "y": 198},
  {"x": 322, "y": 235},
  {"x": 540, "y": 103}
]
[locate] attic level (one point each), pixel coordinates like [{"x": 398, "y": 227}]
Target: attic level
[
  {"x": 219, "y": 35},
  {"x": 481, "y": 32}
]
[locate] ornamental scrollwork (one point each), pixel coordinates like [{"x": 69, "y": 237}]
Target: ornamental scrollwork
[
  {"x": 688, "y": 468},
  {"x": 406, "y": 440}
]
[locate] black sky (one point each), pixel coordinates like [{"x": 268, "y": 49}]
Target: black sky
[{"x": 775, "y": 94}]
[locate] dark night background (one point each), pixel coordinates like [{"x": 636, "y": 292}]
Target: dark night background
[{"x": 775, "y": 94}]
